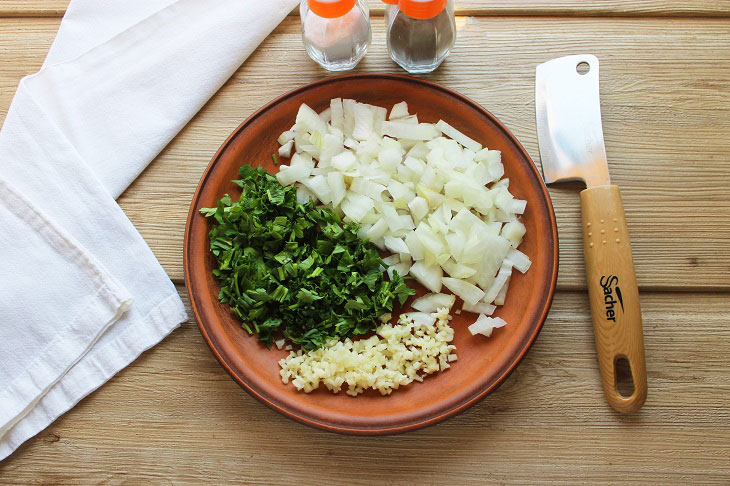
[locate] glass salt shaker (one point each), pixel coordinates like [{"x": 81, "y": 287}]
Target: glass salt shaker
[
  {"x": 336, "y": 33},
  {"x": 421, "y": 33}
]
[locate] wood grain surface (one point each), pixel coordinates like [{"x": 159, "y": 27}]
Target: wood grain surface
[
  {"x": 664, "y": 8},
  {"x": 174, "y": 416}
]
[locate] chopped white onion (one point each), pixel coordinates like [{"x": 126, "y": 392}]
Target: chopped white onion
[
  {"x": 286, "y": 137},
  {"x": 356, "y": 206},
  {"x": 469, "y": 293},
  {"x": 432, "y": 302},
  {"x": 480, "y": 308},
  {"x": 399, "y": 110},
  {"x": 401, "y": 268},
  {"x": 396, "y": 245},
  {"x": 485, "y": 325},
  {"x": 364, "y": 122},
  {"x": 519, "y": 260},
  {"x": 337, "y": 114},
  {"x": 502, "y": 294},
  {"x": 428, "y": 275},
  {"x": 286, "y": 149},
  {"x": 410, "y": 131},
  {"x": 455, "y": 134},
  {"x": 318, "y": 185},
  {"x": 505, "y": 272}
]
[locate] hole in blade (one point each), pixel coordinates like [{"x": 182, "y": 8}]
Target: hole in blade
[
  {"x": 583, "y": 68},
  {"x": 624, "y": 378}
]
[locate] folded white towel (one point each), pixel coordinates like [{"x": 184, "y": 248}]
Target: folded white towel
[{"x": 81, "y": 294}]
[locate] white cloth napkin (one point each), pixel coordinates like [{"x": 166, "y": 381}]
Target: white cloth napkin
[{"x": 81, "y": 294}]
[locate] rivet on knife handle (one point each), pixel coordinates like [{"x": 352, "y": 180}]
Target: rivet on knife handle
[{"x": 614, "y": 294}]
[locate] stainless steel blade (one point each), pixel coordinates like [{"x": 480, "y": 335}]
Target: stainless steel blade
[{"x": 569, "y": 127}]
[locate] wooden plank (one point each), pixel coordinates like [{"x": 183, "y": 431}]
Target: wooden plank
[
  {"x": 687, "y": 8},
  {"x": 665, "y": 108},
  {"x": 175, "y": 416}
]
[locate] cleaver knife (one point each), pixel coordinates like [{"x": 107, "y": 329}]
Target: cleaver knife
[{"x": 571, "y": 148}]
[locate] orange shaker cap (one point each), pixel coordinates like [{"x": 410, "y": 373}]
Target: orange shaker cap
[
  {"x": 331, "y": 9},
  {"x": 390, "y": 2},
  {"x": 421, "y": 9}
]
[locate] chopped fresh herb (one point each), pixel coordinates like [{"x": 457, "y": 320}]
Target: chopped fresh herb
[
  {"x": 275, "y": 159},
  {"x": 296, "y": 269}
]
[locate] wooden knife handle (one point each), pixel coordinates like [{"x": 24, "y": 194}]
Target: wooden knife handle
[{"x": 613, "y": 293}]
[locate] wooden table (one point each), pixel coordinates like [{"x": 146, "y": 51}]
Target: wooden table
[{"x": 175, "y": 416}]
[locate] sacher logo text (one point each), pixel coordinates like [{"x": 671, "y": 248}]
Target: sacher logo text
[{"x": 611, "y": 292}]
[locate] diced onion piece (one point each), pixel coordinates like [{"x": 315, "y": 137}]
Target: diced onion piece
[
  {"x": 349, "y": 111},
  {"x": 309, "y": 121},
  {"x": 337, "y": 185},
  {"x": 344, "y": 161},
  {"x": 428, "y": 275},
  {"x": 391, "y": 260},
  {"x": 458, "y": 270},
  {"x": 418, "y": 151},
  {"x": 421, "y": 131},
  {"x": 494, "y": 164},
  {"x": 396, "y": 245},
  {"x": 455, "y": 242},
  {"x": 456, "y": 135},
  {"x": 504, "y": 274},
  {"x": 286, "y": 149},
  {"x": 401, "y": 268},
  {"x": 479, "y": 308},
  {"x": 418, "y": 207},
  {"x": 502, "y": 294},
  {"x": 429, "y": 239},
  {"x": 337, "y": 113},
  {"x": 364, "y": 122},
  {"x": 389, "y": 158},
  {"x": 326, "y": 115},
  {"x": 415, "y": 248},
  {"x": 304, "y": 195},
  {"x": 286, "y": 137},
  {"x": 356, "y": 206},
  {"x": 514, "y": 231},
  {"x": 294, "y": 173},
  {"x": 379, "y": 116},
  {"x": 280, "y": 343},
  {"x": 432, "y": 302},
  {"x": 519, "y": 260},
  {"x": 377, "y": 230},
  {"x": 318, "y": 185},
  {"x": 399, "y": 110},
  {"x": 400, "y": 191},
  {"x": 469, "y": 293},
  {"x": 485, "y": 325}
]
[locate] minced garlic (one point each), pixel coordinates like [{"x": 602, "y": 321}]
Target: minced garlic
[{"x": 396, "y": 355}]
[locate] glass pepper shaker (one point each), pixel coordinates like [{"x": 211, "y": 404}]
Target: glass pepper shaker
[
  {"x": 336, "y": 33},
  {"x": 421, "y": 33}
]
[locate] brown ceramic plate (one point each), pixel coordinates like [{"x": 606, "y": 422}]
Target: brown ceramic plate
[{"x": 483, "y": 363}]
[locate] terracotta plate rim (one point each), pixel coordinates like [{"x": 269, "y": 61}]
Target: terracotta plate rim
[{"x": 387, "y": 429}]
